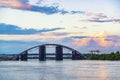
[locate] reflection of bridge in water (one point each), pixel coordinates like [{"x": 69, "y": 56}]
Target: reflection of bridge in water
[{"x": 49, "y": 51}]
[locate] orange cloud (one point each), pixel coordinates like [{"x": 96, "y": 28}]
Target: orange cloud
[
  {"x": 102, "y": 42},
  {"x": 14, "y": 4},
  {"x": 99, "y": 39}
]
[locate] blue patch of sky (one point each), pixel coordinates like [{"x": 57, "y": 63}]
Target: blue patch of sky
[
  {"x": 66, "y": 40},
  {"x": 16, "y": 47},
  {"x": 24, "y": 1}
]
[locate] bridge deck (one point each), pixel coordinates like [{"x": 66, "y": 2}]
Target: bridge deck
[{"x": 50, "y": 54}]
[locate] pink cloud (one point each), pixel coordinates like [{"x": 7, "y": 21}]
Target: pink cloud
[
  {"x": 96, "y": 15},
  {"x": 14, "y": 4},
  {"x": 100, "y": 17}
]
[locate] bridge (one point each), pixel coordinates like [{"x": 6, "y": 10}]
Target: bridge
[{"x": 43, "y": 52}]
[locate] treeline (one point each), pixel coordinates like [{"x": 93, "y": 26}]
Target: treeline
[
  {"x": 8, "y": 58},
  {"x": 110, "y": 56}
]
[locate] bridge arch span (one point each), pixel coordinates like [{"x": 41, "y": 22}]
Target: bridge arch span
[{"x": 76, "y": 55}]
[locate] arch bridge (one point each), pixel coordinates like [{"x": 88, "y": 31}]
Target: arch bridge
[{"x": 59, "y": 53}]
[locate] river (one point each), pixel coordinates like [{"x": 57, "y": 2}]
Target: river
[{"x": 60, "y": 70}]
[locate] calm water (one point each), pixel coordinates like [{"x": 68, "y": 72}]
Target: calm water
[{"x": 60, "y": 70}]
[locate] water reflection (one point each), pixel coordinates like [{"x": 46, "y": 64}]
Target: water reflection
[
  {"x": 102, "y": 70},
  {"x": 60, "y": 70}
]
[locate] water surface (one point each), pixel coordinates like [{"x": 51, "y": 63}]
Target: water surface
[{"x": 60, "y": 70}]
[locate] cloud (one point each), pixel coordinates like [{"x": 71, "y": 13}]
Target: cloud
[
  {"x": 113, "y": 38},
  {"x": 24, "y": 5},
  {"x": 106, "y": 41},
  {"x": 80, "y": 37},
  {"x": 100, "y": 39},
  {"x": 96, "y": 15},
  {"x": 48, "y": 30},
  {"x": 47, "y": 9},
  {"x": 82, "y": 43},
  {"x": 52, "y": 10},
  {"x": 47, "y": 37},
  {"x": 11, "y": 29},
  {"x": 35, "y": 20},
  {"x": 52, "y": 36},
  {"x": 56, "y": 33},
  {"x": 77, "y": 12},
  {"x": 108, "y": 7},
  {"x": 19, "y": 4},
  {"x": 96, "y": 40},
  {"x": 103, "y": 21},
  {"x": 77, "y": 27},
  {"x": 100, "y": 18}
]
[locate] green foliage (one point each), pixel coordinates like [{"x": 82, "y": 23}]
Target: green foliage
[{"x": 111, "y": 56}]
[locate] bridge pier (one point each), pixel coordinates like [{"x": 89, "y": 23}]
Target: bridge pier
[
  {"x": 42, "y": 53},
  {"x": 59, "y": 53},
  {"x": 17, "y": 57},
  {"x": 24, "y": 56},
  {"x": 75, "y": 56}
]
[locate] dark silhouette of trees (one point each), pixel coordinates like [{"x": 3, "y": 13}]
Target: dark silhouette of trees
[{"x": 111, "y": 56}]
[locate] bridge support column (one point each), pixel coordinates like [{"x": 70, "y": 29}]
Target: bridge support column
[
  {"x": 17, "y": 57},
  {"x": 59, "y": 53},
  {"x": 74, "y": 55},
  {"x": 24, "y": 56},
  {"x": 42, "y": 53}
]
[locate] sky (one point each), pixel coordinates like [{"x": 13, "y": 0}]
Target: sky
[{"x": 80, "y": 24}]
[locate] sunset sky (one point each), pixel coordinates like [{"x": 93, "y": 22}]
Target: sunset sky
[{"x": 80, "y": 24}]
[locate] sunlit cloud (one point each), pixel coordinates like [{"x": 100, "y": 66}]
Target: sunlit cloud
[
  {"x": 14, "y": 4},
  {"x": 101, "y": 39}
]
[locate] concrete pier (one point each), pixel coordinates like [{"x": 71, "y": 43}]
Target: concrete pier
[
  {"x": 24, "y": 56},
  {"x": 42, "y": 53},
  {"x": 59, "y": 53}
]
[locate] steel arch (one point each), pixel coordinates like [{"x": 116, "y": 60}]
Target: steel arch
[{"x": 73, "y": 50}]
